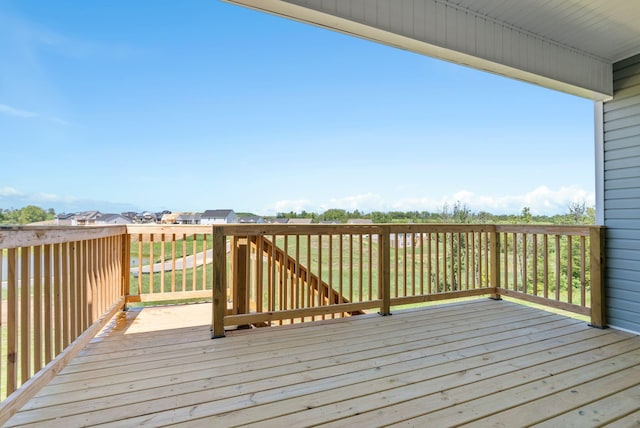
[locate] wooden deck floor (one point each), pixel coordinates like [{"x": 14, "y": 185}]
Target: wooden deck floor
[{"x": 483, "y": 363}]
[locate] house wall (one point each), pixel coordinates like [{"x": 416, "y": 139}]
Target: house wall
[{"x": 621, "y": 119}]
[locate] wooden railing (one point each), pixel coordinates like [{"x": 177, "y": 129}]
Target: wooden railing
[
  {"x": 556, "y": 266},
  {"x": 296, "y": 273},
  {"x": 170, "y": 263},
  {"x": 62, "y": 285}
]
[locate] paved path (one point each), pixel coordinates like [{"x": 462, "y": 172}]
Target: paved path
[{"x": 187, "y": 262}]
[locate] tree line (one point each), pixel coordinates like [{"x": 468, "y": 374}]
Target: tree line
[
  {"x": 26, "y": 215},
  {"x": 577, "y": 213}
]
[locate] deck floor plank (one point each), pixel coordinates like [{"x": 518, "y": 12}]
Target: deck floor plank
[
  {"x": 480, "y": 362},
  {"x": 603, "y": 411}
]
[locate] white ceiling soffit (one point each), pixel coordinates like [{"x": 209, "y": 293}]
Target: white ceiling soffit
[{"x": 567, "y": 45}]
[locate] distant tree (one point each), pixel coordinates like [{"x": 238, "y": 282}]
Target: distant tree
[
  {"x": 334, "y": 214},
  {"x": 578, "y": 213},
  {"x": 31, "y": 214},
  {"x": 525, "y": 216},
  {"x": 380, "y": 217}
]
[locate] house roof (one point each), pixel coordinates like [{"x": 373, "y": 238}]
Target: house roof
[
  {"x": 564, "y": 45},
  {"x": 359, "y": 221},
  {"x": 106, "y": 218},
  {"x": 300, "y": 221},
  {"x": 188, "y": 216},
  {"x": 216, "y": 213}
]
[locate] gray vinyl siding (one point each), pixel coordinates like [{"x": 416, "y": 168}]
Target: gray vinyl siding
[{"x": 622, "y": 196}]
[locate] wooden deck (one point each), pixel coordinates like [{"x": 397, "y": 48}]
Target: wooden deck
[{"x": 483, "y": 363}]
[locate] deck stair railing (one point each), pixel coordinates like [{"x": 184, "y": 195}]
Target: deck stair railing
[{"x": 256, "y": 257}]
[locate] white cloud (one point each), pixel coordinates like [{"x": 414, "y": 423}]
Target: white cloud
[
  {"x": 25, "y": 114},
  {"x": 9, "y": 191},
  {"x": 286, "y": 206},
  {"x": 541, "y": 200},
  {"x": 12, "y": 111},
  {"x": 364, "y": 202}
]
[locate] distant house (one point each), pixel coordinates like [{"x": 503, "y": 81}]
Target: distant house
[
  {"x": 218, "y": 217},
  {"x": 300, "y": 221},
  {"x": 130, "y": 215},
  {"x": 250, "y": 219},
  {"x": 359, "y": 221},
  {"x": 64, "y": 219},
  {"x": 86, "y": 218},
  {"x": 147, "y": 217},
  {"x": 188, "y": 218},
  {"x": 169, "y": 218},
  {"x": 112, "y": 219},
  {"x": 278, "y": 220},
  {"x": 329, "y": 222}
]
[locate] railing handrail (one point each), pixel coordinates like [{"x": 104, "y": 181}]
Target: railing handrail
[{"x": 26, "y": 236}]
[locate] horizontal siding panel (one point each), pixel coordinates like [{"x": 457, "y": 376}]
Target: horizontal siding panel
[
  {"x": 630, "y": 184},
  {"x": 630, "y": 151},
  {"x": 624, "y": 204},
  {"x": 619, "y": 104},
  {"x": 623, "y": 244},
  {"x": 621, "y": 143},
  {"x": 632, "y": 131},
  {"x": 612, "y": 234},
  {"x": 630, "y": 82},
  {"x": 621, "y": 278},
  {"x": 624, "y": 294},
  {"x": 628, "y": 92},
  {"x": 622, "y": 163},
  {"x": 616, "y": 263},
  {"x": 630, "y": 70},
  {"x": 626, "y": 63},
  {"x": 622, "y": 318},
  {"x": 623, "y": 224},
  {"x": 617, "y": 174},
  {"x": 625, "y": 255},
  {"x": 626, "y": 305},
  {"x": 621, "y": 193},
  {"x": 622, "y": 213},
  {"x": 625, "y": 285},
  {"x": 624, "y": 122},
  {"x": 631, "y": 109}
]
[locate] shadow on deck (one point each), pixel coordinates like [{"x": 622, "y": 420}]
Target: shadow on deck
[{"x": 482, "y": 362}]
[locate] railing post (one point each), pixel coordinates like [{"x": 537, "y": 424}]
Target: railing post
[
  {"x": 596, "y": 257},
  {"x": 219, "y": 282},
  {"x": 494, "y": 260},
  {"x": 384, "y": 278},
  {"x": 126, "y": 265}
]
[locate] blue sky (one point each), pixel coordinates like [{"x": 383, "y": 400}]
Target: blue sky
[{"x": 198, "y": 104}]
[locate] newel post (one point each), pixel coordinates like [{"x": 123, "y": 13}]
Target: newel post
[
  {"x": 596, "y": 270},
  {"x": 219, "y": 282},
  {"x": 494, "y": 261},
  {"x": 126, "y": 265},
  {"x": 384, "y": 278},
  {"x": 239, "y": 272}
]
